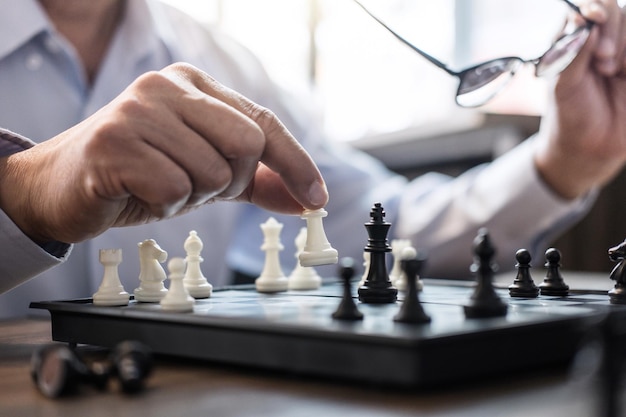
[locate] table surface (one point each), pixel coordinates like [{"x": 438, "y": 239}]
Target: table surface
[{"x": 193, "y": 388}]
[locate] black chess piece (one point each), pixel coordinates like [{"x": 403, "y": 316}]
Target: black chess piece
[
  {"x": 523, "y": 285},
  {"x": 58, "y": 370},
  {"x": 347, "y": 309},
  {"x": 553, "y": 284},
  {"x": 411, "y": 310},
  {"x": 377, "y": 287},
  {"x": 484, "y": 302},
  {"x": 617, "y": 295},
  {"x": 132, "y": 364}
]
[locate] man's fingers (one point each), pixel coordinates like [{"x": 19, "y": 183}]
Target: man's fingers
[{"x": 282, "y": 153}]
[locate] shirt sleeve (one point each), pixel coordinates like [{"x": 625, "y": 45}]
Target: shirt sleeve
[
  {"x": 507, "y": 196},
  {"x": 20, "y": 257}
]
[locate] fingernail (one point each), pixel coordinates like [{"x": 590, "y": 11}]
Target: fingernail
[{"x": 318, "y": 194}]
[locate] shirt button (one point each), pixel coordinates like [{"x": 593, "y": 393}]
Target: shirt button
[
  {"x": 52, "y": 45},
  {"x": 34, "y": 61}
]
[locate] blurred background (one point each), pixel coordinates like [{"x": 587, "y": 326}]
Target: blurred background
[{"x": 377, "y": 94}]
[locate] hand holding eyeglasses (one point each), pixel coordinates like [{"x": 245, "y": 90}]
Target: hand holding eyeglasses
[
  {"x": 480, "y": 83},
  {"x": 582, "y": 140}
]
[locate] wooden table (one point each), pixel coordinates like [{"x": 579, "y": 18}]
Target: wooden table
[{"x": 192, "y": 388}]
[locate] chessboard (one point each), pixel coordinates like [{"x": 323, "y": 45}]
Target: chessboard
[{"x": 293, "y": 332}]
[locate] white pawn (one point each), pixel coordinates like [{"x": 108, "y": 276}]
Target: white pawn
[
  {"x": 317, "y": 250},
  {"x": 195, "y": 282},
  {"x": 367, "y": 256},
  {"x": 401, "y": 283},
  {"x": 177, "y": 298},
  {"x": 303, "y": 277},
  {"x": 397, "y": 245},
  {"x": 151, "y": 274},
  {"x": 272, "y": 278},
  {"x": 111, "y": 292}
]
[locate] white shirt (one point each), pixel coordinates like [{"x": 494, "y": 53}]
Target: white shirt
[{"x": 44, "y": 91}]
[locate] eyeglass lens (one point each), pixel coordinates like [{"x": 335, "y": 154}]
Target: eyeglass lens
[
  {"x": 479, "y": 84},
  {"x": 562, "y": 53}
]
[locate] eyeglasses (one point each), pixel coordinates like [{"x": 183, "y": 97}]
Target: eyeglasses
[{"x": 480, "y": 83}]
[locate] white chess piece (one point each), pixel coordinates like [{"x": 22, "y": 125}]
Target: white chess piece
[
  {"x": 151, "y": 274},
  {"x": 366, "y": 267},
  {"x": 303, "y": 277},
  {"x": 317, "y": 250},
  {"x": 397, "y": 245},
  {"x": 272, "y": 278},
  {"x": 195, "y": 282},
  {"x": 408, "y": 252},
  {"x": 111, "y": 292},
  {"x": 177, "y": 298}
]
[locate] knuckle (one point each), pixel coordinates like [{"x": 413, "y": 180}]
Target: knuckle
[
  {"x": 220, "y": 177},
  {"x": 265, "y": 118},
  {"x": 178, "y": 190}
]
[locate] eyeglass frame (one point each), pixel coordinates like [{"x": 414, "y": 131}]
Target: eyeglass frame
[{"x": 461, "y": 74}]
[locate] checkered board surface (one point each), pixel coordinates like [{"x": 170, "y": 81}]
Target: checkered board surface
[{"x": 294, "y": 332}]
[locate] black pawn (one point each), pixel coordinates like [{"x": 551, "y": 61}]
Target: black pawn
[
  {"x": 347, "y": 309},
  {"x": 617, "y": 295},
  {"x": 484, "y": 302},
  {"x": 377, "y": 287},
  {"x": 411, "y": 310},
  {"x": 553, "y": 284},
  {"x": 523, "y": 285}
]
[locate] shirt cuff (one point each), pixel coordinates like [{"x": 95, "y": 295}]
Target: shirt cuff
[{"x": 21, "y": 258}]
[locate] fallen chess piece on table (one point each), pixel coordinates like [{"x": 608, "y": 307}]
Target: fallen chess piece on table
[{"x": 57, "y": 370}]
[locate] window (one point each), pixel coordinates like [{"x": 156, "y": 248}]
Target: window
[{"x": 369, "y": 83}]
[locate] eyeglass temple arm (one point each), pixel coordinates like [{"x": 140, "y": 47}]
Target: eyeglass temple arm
[{"x": 430, "y": 58}]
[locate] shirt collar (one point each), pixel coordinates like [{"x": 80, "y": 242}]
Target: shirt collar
[
  {"x": 141, "y": 28},
  {"x": 21, "y": 21}
]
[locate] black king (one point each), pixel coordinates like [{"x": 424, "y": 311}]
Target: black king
[{"x": 377, "y": 287}]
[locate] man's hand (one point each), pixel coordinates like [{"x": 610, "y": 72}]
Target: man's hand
[
  {"x": 173, "y": 140},
  {"x": 582, "y": 140}
]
